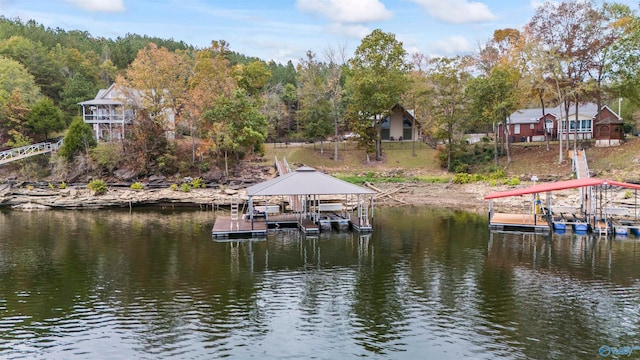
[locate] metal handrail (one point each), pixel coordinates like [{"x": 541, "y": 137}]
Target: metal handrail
[
  {"x": 586, "y": 164},
  {"x": 286, "y": 164},
  {"x": 28, "y": 151}
]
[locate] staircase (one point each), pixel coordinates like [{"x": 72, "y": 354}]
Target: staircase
[
  {"x": 24, "y": 152},
  {"x": 234, "y": 213},
  {"x": 581, "y": 169},
  {"x": 580, "y": 166}
]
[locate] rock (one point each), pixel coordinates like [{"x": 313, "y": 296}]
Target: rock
[
  {"x": 230, "y": 191},
  {"x": 213, "y": 176},
  {"x": 124, "y": 174},
  {"x": 156, "y": 179},
  {"x": 30, "y": 207}
]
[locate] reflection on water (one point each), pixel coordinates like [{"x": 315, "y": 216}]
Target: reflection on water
[{"x": 426, "y": 284}]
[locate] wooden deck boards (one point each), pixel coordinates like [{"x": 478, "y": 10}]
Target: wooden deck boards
[
  {"x": 309, "y": 227},
  {"x": 225, "y": 227},
  {"x": 356, "y": 225},
  {"x": 523, "y": 222}
]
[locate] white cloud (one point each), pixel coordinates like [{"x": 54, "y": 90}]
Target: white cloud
[
  {"x": 537, "y": 3},
  {"x": 99, "y": 5},
  {"x": 354, "y": 31},
  {"x": 457, "y": 11},
  {"x": 451, "y": 45},
  {"x": 346, "y": 11}
]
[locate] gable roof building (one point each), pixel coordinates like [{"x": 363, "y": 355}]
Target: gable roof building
[
  {"x": 531, "y": 125},
  {"x": 113, "y": 109}
]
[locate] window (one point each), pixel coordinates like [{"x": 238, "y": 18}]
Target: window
[
  {"x": 516, "y": 129},
  {"x": 548, "y": 125}
]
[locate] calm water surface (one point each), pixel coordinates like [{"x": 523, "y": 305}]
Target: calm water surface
[{"x": 427, "y": 284}]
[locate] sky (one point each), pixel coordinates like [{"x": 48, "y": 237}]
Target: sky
[{"x": 283, "y": 30}]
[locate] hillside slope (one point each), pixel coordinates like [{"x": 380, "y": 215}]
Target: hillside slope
[{"x": 528, "y": 159}]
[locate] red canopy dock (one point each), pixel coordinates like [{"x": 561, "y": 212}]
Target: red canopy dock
[{"x": 536, "y": 219}]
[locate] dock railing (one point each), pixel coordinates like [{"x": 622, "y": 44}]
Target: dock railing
[{"x": 23, "y": 152}]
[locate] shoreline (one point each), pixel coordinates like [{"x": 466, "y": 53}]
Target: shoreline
[{"x": 467, "y": 197}]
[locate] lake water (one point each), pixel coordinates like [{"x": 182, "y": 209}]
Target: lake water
[{"x": 427, "y": 284}]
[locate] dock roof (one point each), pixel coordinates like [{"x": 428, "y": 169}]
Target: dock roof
[
  {"x": 305, "y": 181},
  {"x": 546, "y": 187},
  {"x": 559, "y": 185}
]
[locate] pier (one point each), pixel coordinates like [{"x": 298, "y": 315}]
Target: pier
[
  {"x": 304, "y": 198},
  {"x": 595, "y": 213}
]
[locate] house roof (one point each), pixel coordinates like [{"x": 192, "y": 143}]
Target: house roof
[
  {"x": 410, "y": 113},
  {"x": 305, "y": 181},
  {"x": 527, "y": 116},
  {"x": 101, "y": 102},
  {"x": 585, "y": 111},
  {"x": 113, "y": 95},
  {"x": 610, "y": 121}
]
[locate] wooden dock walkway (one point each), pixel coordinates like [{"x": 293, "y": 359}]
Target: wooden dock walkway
[
  {"x": 357, "y": 225},
  {"x": 225, "y": 227},
  {"x": 519, "y": 222},
  {"x": 309, "y": 227}
]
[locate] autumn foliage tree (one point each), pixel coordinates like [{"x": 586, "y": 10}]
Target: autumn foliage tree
[
  {"x": 237, "y": 126},
  {"x": 156, "y": 85},
  {"x": 211, "y": 79}
]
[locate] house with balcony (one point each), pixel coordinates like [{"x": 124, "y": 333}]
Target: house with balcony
[
  {"x": 113, "y": 111},
  {"x": 530, "y": 125}
]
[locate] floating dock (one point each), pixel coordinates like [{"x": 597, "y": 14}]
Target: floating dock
[
  {"x": 225, "y": 227},
  {"x": 519, "y": 222},
  {"x": 312, "y": 205}
]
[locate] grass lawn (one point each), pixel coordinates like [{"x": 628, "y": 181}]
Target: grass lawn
[{"x": 396, "y": 155}]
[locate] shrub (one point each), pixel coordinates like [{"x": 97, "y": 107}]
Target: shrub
[
  {"x": 513, "y": 181},
  {"x": 462, "y": 178},
  {"x": 107, "y": 155},
  {"x": 51, "y": 186},
  {"x": 168, "y": 163},
  {"x": 185, "y": 187},
  {"x": 628, "y": 194},
  {"x": 137, "y": 186},
  {"x": 197, "y": 183},
  {"x": 97, "y": 186},
  {"x": 63, "y": 185},
  {"x": 79, "y": 139},
  {"x": 173, "y": 187}
]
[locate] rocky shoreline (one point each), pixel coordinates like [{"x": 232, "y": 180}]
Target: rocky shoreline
[
  {"x": 453, "y": 196},
  {"x": 74, "y": 198},
  {"x": 467, "y": 197}
]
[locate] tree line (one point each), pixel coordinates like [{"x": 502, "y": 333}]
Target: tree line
[{"x": 228, "y": 105}]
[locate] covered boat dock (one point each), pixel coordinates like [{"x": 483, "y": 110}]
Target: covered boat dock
[
  {"x": 537, "y": 217},
  {"x": 304, "y": 198}
]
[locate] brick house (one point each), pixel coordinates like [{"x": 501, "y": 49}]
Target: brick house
[{"x": 529, "y": 125}]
